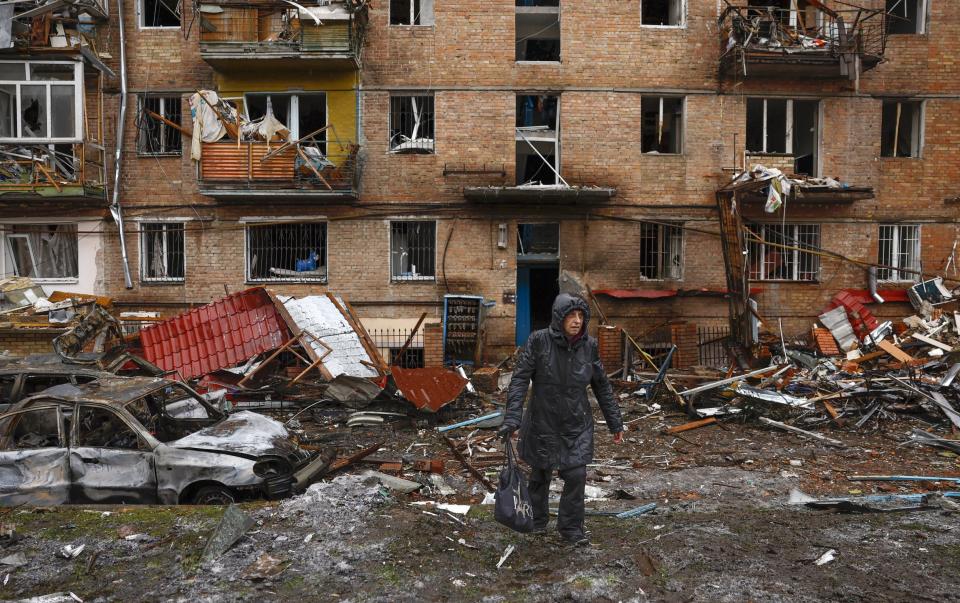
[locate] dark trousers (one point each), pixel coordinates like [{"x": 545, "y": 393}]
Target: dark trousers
[{"x": 570, "y": 517}]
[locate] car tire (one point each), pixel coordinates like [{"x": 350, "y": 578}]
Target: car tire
[{"x": 214, "y": 495}]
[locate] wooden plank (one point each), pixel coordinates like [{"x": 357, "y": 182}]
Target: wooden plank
[
  {"x": 894, "y": 351},
  {"x": 932, "y": 341},
  {"x": 365, "y": 339},
  {"x": 691, "y": 425},
  {"x": 866, "y": 357}
]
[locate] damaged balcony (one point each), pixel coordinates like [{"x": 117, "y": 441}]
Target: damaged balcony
[
  {"x": 252, "y": 169},
  {"x": 800, "y": 39},
  {"x": 538, "y": 174},
  {"x": 771, "y": 187},
  {"x": 266, "y": 30}
]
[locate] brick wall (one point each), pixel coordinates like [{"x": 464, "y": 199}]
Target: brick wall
[
  {"x": 22, "y": 342},
  {"x": 432, "y": 345}
]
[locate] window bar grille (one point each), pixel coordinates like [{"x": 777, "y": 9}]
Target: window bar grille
[
  {"x": 163, "y": 252},
  {"x": 411, "y": 124},
  {"x": 661, "y": 251},
  {"x": 287, "y": 252},
  {"x": 412, "y": 250}
]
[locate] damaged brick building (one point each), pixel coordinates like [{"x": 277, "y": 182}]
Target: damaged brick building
[{"x": 396, "y": 151}]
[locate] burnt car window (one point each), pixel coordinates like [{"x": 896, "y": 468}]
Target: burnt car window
[
  {"x": 38, "y": 383},
  {"x": 83, "y": 379},
  {"x": 30, "y": 429},
  {"x": 102, "y": 428},
  {"x": 145, "y": 412},
  {"x": 6, "y": 387},
  {"x": 178, "y": 403}
]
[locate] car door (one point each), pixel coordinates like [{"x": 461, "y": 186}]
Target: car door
[
  {"x": 110, "y": 459},
  {"x": 34, "y": 461}
]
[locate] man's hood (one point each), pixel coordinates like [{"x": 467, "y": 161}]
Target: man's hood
[
  {"x": 563, "y": 305},
  {"x": 244, "y": 433}
]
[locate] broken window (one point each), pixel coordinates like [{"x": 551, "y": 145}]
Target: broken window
[
  {"x": 295, "y": 252},
  {"x": 31, "y": 429},
  {"x": 159, "y": 13},
  {"x": 538, "y": 239},
  {"x": 662, "y": 12},
  {"x": 411, "y": 12},
  {"x": 662, "y": 124},
  {"x": 661, "y": 251},
  {"x": 33, "y": 384},
  {"x": 785, "y": 126},
  {"x": 901, "y": 127},
  {"x": 42, "y": 251},
  {"x": 538, "y": 30},
  {"x": 413, "y": 247},
  {"x": 780, "y": 255},
  {"x": 411, "y": 124},
  {"x": 538, "y": 139},
  {"x": 302, "y": 114},
  {"x": 899, "y": 252},
  {"x": 154, "y": 135},
  {"x": 102, "y": 428},
  {"x": 906, "y": 16},
  {"x": 40, "y": 101},
  {"x": 162, "y": 251}
]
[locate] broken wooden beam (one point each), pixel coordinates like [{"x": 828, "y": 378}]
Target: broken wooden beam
[
  {"x": 690, "y": 425},
  {"x": 463, "y": 461},
  {"x": 894, "y": 351}
]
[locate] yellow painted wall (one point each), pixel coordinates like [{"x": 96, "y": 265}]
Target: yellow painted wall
[{"x": 339, "y": 86}]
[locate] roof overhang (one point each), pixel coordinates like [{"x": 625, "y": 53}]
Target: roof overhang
[{"x": 240, "y": 194}]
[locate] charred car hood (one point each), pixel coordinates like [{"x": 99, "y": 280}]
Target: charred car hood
[{"x": 244, "y": 433}]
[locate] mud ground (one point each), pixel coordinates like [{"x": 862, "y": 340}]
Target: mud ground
[{"x": 723, "y": 529}]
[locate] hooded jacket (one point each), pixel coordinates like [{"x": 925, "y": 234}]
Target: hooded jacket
[{"x": 556, "y": 431}]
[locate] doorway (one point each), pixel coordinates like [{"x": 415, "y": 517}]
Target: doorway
[{"x": 538, "y": 277}]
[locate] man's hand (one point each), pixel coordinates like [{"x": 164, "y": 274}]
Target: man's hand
[
  {"x": 505, "y": 432},
  {"x": 618, "y": 437}
]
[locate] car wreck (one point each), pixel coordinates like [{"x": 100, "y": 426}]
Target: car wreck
[{"x": 143, "y": 440}]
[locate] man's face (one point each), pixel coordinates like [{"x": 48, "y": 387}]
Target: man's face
[{"x": 572, "y": 323}]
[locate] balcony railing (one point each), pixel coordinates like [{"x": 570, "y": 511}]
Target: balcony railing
[
  {"x": 52, "y": 169},
  {"x": 229, "y": 168},
  {"x": 765, "y": 41},
  {"x": 270, "y": 29}
]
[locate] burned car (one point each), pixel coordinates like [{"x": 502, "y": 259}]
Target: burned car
[
  {"x": 143, "y": 440},
  {"x": 32, "y": 375}
]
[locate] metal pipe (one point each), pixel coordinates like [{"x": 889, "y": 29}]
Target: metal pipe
[
  {"x": 492, "y": 415},
  {"x": 115, "y": 210}
]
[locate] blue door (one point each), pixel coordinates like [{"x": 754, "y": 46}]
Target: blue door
[{"x": 523, "y": 304}]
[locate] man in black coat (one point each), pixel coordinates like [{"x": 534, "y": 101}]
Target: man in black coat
[{"x": 556, "y": 431}]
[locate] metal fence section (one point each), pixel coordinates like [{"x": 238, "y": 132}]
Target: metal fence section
[
  {"x": 710, "y": 343},
  {"x": 390, "y": 341}
]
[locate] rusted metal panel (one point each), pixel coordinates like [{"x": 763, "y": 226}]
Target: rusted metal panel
[{"x": 428, "y": 388}]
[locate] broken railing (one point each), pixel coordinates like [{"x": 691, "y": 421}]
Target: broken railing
[
  {"x": 852, "y": 35},
  {"x": 34, "y": 167}
]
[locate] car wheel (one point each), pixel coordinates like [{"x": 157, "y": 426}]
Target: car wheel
[{"x": 213, "y": 495}]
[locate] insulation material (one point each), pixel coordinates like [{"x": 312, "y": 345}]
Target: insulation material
[
  {"x": 836, "y": 320},
  {"x": 320, "y": 317}
]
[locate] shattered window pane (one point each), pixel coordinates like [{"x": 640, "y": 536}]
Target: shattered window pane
[
  {"x": 37, "y": 383},
  {"x": 31, "y": 429},
  {"x": 662, "y": 124},
  {"x": 102, "y": 428},
  {"x": 411, "y": 124},
  {"x": 294, "y": 252},
  {"x": 154, "y": 136},
  {"x": 906, "y": 16},
  {"x": 537, "y": 239},
  {"x": 162, "y": 251},
  {"x": 159, "y": 13},
  {"x": 43, "y": 251},
  {"x": 900, "y": 128},
  {"x": 412, "y": 250},
  {"x": 38, "y": 101},
  {"x": 44, "y": 72},
  {"x": 537, "y": 28},
  {"x": 33, "y": 111},
  {"x": 661, "y": 12},
  {"x": 411, "y": 12},
  {"x": 178, "y": 403}
]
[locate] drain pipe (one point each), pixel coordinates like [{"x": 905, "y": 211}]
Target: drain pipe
[{"x": 115, "y": 210}]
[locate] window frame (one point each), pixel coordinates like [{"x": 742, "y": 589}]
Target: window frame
[
  {"x": 294, "y": 111},
  {"x": 62, "y": 435},
  {"x": 896, "y": 271},
  {"x": 141, "y": 19},
  {"x": 920, "y": 134},
  {"x": 683, "y": 122},
  {"x": 9, "y": 266},
  {"x": 166, "y": 235},
  {"x": 141, "y": 98},
  {"x": 78, "y": 101},
  {"x": 796, "y": 253},
  {"x": 249, "y": 278},
  {"x": 923, "y": 10},
  {"x": 683, "y": 17},
  {"x": 433, "y": 15},
  {"x": 390, "y": 252},
  {"x": 661, "y": 256},
  {"x": 391, "y": 148}
]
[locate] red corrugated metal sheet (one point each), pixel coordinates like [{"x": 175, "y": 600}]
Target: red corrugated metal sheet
[
  {"x": 661, "y": 293},
  {"x": 428, "y": 388},
  {"x": 219, "y": 335}
]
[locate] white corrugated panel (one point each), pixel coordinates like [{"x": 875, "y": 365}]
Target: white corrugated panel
[{"x": 319, "y": 316}]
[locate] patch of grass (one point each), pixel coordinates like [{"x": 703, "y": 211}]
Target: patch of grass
[
  {"x": 582, "y": 583},
  {"x": 76, "y": 523},
  {"x": 917, "y": 527},
  {"x": 391, "y": 575}
]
